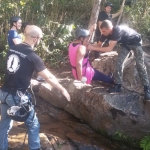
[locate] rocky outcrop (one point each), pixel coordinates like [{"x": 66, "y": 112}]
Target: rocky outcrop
[
  {"x": 125, "y": 112},
  {"x": 131, "y": 79},
  {"x": 60, "y": 131}
]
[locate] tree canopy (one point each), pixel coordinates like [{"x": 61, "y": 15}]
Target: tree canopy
[{"x": 57, "y": 18}]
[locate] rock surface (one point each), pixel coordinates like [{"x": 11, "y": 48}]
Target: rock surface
[
  {"x": 131, "y": 79},
  {"x": 124, "y": 112},
  {"x": 61, "y": 131}
]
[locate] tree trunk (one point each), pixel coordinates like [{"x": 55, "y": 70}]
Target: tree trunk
[
  {"x": 94, "y": 16},
  {"x": 95, "y": 12},
  {"x": 123, "y": 2}
]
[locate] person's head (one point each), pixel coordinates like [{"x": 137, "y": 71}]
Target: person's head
[
  {"x": 82, "y": 34},
  {"x": 108, "y": 7},
  {"x": 106, "y": 27},
  {"x": 24, "y": 25},
  {"x": 16, "y": 22},
  {"x": 33, "y": 35}
]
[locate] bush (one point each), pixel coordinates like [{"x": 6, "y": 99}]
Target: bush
[{"x": 145, "y": 143}]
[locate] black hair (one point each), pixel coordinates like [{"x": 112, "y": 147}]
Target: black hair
[
  {"x": 24, "y": 24},
  {"x": 106, "y": 24},
  {"x": 14, "y": 19}
]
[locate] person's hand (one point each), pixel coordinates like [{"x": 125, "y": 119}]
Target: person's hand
[
  {"x": 94, "y": 26},
  {"x": 90, "y": 47},
  {"x": 66, "y": 94},
  {"x": 34, "y": 82}
]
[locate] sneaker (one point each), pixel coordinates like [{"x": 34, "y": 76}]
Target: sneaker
[
  {"x": 116, "y": 88},
  {"x": 147, "y": 93}
]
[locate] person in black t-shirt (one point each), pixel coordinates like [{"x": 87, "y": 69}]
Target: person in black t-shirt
[
  {"x": 105, "y": 15},
  {"x": 22, "y": 61},
  {"x": 128, "y": 39}
]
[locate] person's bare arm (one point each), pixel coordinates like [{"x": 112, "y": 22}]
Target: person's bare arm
[
  {"x": 99, "y": 44},
  {"x": 16, "y": 41},
  {"x": 80, "y": 55},
  {"x": 103, "y": 49},
  {"x": 120, "y": 11},
  {"x": 51, "y": 79},
  {"x": 99, "y": 24}
]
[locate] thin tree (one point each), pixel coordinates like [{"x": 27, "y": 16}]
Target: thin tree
[{"x": 94, "y": 14}]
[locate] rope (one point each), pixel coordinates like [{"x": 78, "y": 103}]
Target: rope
[{"x": 32, "y": 119}]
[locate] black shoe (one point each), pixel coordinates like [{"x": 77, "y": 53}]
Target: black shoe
[
  {"x": 116, "y": 88},
  {"x": 147, "y": 93}
]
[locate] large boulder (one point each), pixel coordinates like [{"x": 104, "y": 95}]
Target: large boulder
[
  {"x": 124, "y": 112},
  {"x": 131, "y": 79}
]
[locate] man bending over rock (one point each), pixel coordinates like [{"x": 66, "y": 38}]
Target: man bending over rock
[{"x": 128, "y": 39}]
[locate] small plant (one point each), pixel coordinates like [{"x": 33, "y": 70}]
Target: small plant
[
  {"x": 145, "y": 143},
  {"x": 119, "y": 136},
  {"x": 3, "y": 54}
]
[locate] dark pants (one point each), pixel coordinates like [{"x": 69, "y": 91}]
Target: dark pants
[
  {"x": 139, "y": 58},
  {"x": 98, "y": 76}
]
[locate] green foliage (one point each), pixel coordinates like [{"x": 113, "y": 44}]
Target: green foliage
[
  {"x": 136, "y": 14},
  {"x": 3, "y": 53},
  {"x": 119, "y": 136},
  {"x": 56, "y": 18},
  {"x": 54, "y": 49},
  {"x": 139, "y": 13},
  {"x": 145, "y": 143}
]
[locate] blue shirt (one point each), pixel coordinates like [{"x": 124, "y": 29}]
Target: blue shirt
[{"x": 12, "y": 34}]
